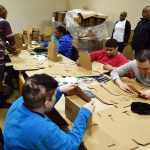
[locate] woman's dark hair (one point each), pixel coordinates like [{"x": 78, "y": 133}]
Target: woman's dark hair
[
  {"x": 37, "y": 89},
  {"x": 143, "y": 55},
  {"x": 62, "y": 30},
  {"x": 111, "y": 43},
  {"x": 3, "y": 12}
]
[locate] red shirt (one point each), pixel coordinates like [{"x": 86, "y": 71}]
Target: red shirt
[{"x": 116, "y": 61}]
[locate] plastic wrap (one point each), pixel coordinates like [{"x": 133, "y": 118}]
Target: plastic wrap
[{"x": 85, "y": 38}]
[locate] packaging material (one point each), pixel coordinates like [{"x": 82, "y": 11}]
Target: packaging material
[
  {"x": 46, "y": 36},
  {"x": 35, "y": 34},
  {"x": 52, "y": 51},
  {"x": 25, "y": 37},
  {"x": 74, "y": 102},
  {"x": 117, "y": 121},
  {"x": 19, "y": 41},
  {"x": 86, "y": 37},
  {"x": 85, "y": 60},
  {"x": 59, "y": 15},
  {"x": 84, "y": 18}
]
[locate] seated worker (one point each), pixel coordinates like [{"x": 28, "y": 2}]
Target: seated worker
[
  {"x": 6, "y": 35},
  {"x": 141, "y": 69},
  {"x": 63, "y": 39},
  {"x": 30, "y": 129},
  {"x": 110, "y": 57}
]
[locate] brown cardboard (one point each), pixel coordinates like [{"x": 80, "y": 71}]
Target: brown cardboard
[
  {"x": 35, "y": 34},
  {"x": 19, "y": 41},
  {"x": 114, "y": 122},
  {"x": 25, "y": 38},
  {"x": 97, "y": 139},
  {"x": 103, "y": 95},
  {"x": 85, "y": 60},
  {"x": 74, "y": 102},
  {"x": 72, "y": 107},
  {"x": 111, "y": 87},
  {"x": 48, "y": 30},
  {"x": 61, "y": 16},
  {"x": 52, "y": 51},
  {"x": 21, "y": 83},
  {"x": 132, "y": 129}
]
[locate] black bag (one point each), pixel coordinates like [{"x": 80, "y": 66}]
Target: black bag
[{"x": 140, "y": 108}]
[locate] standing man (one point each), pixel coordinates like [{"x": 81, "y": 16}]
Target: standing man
[
  {"x": 121, "y": 31},
  {"x": 141, "y": 38}
]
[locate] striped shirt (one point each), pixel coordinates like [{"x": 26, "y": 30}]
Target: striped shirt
[{"x": 5, "y": 35}]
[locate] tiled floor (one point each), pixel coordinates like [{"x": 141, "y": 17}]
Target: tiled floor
[{"x": 11, "y": 99}]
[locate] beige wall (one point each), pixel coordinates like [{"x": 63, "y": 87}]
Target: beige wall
[
  {"x": 112, "y": 8},
  {"x": 22, "y": 13}
]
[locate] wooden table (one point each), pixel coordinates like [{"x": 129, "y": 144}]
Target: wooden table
[{"x": 98, "y": 136}]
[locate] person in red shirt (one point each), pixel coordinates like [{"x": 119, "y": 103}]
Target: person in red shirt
[{"x": 110, "y": 57}]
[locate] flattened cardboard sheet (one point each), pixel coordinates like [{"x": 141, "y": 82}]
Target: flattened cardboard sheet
[
  {"x": 126, "y": 125},
  {"x": 103, "y": 95},
  {"x": 98, "y": 67},
  {"x": 113, "y": 88},
  {"x": 96, "y": 139},
  {"x": 117, "y": 128}
]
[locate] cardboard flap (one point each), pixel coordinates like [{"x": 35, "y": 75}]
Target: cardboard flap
[
  {"x": 77, "y": 91},
  {"x": 52, "y": 51},
  {"x": 85, "y": 60}
]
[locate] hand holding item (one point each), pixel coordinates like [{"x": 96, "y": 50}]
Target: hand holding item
[
  {"x": 90, "y": 106},
  {"x": 66, "y": 88}
]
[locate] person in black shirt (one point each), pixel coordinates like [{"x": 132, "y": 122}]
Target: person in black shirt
[{"x": 141, "y": 38}]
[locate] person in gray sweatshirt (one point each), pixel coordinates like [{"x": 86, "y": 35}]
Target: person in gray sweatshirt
[{"x": 141, "y": 69}]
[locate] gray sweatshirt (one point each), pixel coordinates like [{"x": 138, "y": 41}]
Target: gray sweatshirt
[{"x": 130, "y": 66}]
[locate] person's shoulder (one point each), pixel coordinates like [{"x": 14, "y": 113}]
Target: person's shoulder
[
  {"x": 18, "y": 101},
  {"x": 67, "y": 37},
  {"x": 98, "y": 52},
  {"x": 4, "y": 21},
  {"x": 120, "y": 55}
]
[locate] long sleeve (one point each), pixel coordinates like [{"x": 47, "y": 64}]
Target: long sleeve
[
  {"x": 67, "y": 141},
  {"x": 127, "y": 32},
  {"x": 122, "y": 70},
  {"x": 9, "y": 35}
]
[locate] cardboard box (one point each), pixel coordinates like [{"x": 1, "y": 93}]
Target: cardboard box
[
  {"x": 59, "y": 15},
  {"x": 74, "y": 102}
]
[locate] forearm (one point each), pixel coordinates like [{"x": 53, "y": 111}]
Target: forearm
[
  {"x": 80, "y": 125},
  {"x": 118, "y": 82}
]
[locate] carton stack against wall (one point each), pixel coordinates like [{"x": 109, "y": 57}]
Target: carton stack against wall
[
  {"x": 46, "y": 36},
  {"x": 87, "y": 28},
  {"x": 59, "y": 15}
]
